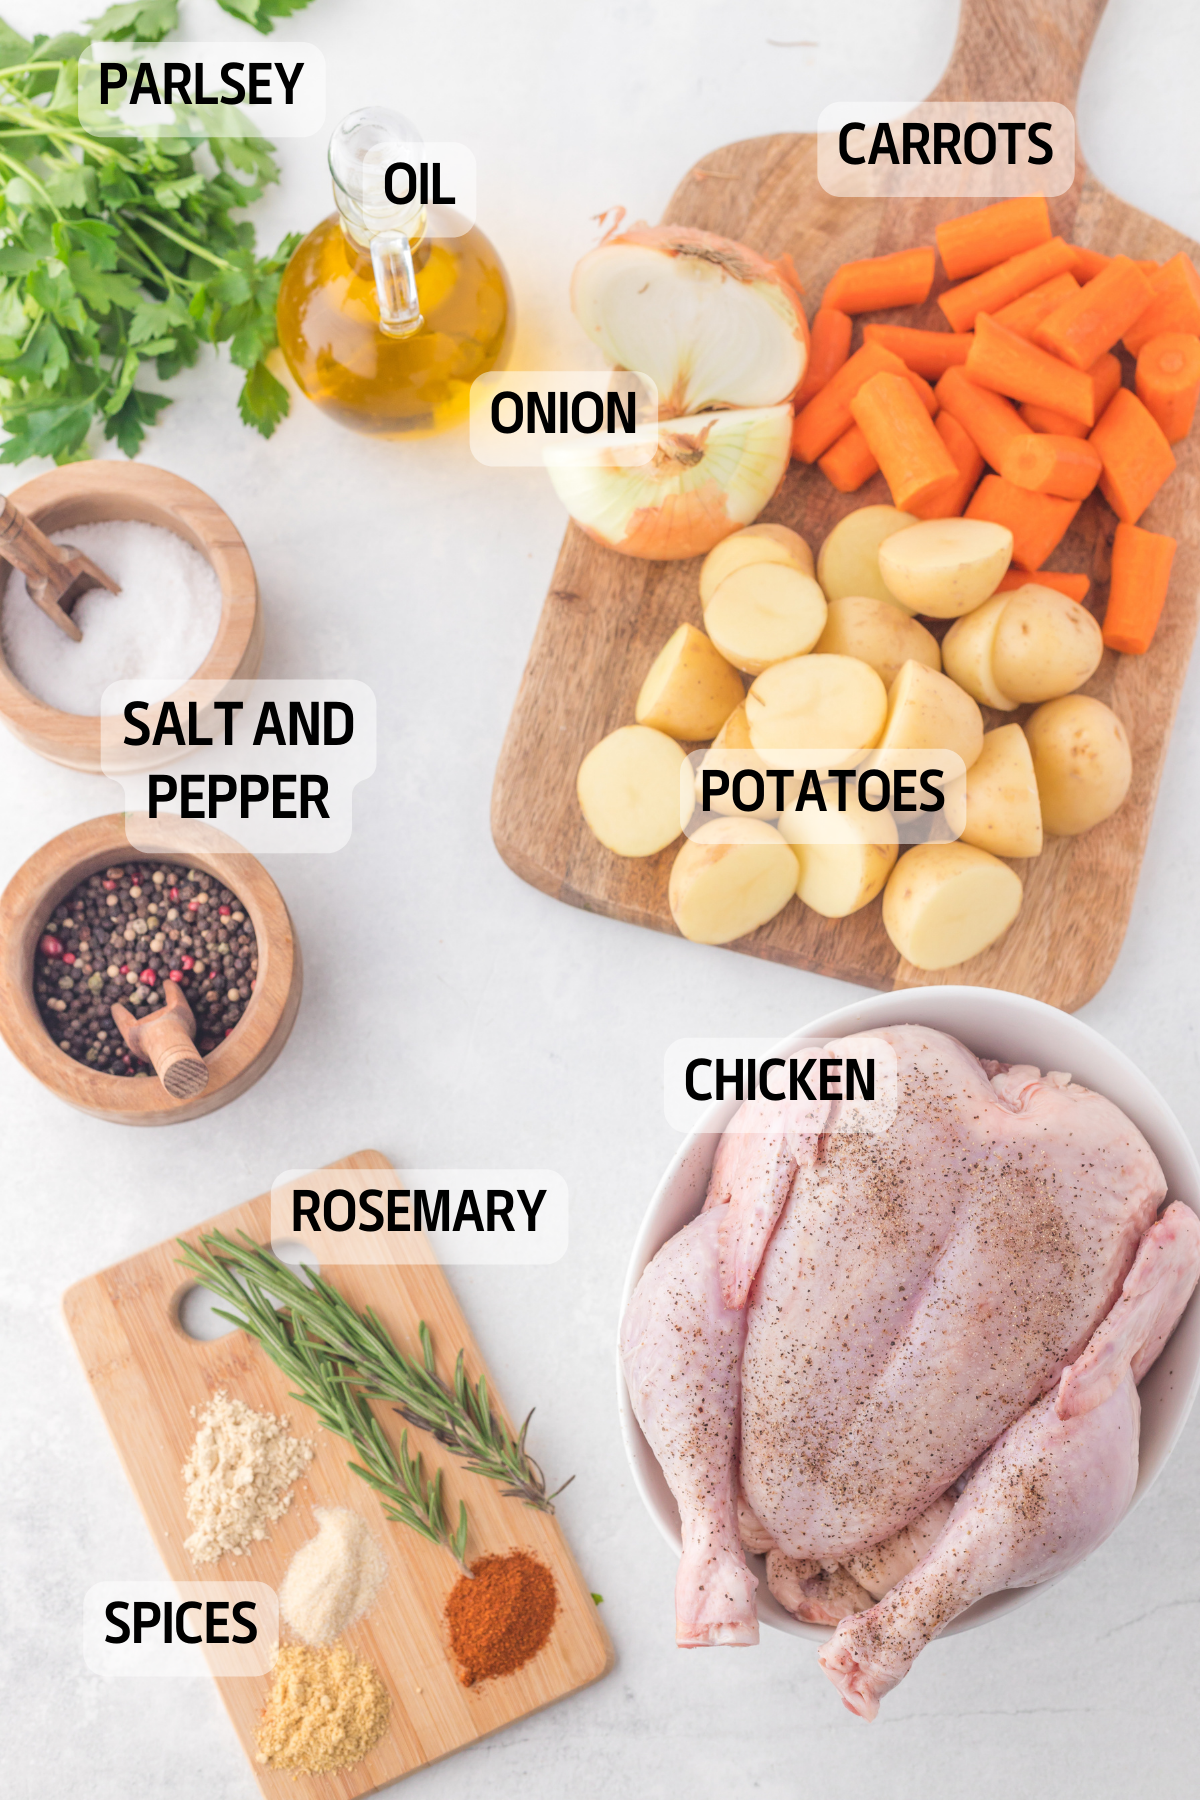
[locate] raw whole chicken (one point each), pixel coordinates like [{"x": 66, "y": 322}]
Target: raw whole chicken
[{"x": 903, "y": 1364}]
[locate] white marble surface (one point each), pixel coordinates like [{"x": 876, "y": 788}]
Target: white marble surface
[{"x": 452, "y": 1015}]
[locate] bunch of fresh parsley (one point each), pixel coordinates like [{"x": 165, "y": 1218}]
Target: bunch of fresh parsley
[{"x": 119, "y": 253}]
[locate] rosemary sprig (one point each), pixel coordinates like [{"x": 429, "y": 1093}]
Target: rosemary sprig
[{"x": 407, "y": 1496}]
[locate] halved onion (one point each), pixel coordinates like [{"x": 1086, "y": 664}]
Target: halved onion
[
  {"x": 712, "y": 322},
  {"x": 710, "y": 475}
]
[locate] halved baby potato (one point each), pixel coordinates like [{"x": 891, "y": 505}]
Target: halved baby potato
[
  {"x": 690, "y": 690},
  {"x": 878, "y": 633},
  {"x": 1046, "y": 644},
  {"x": 628, "y": 788},
  {"x": 848, "y": 562},
  {"x": 928, "y": 711},
  {"x": 945, "y": 903},
  {"x": 734, "y": 736},
  {"x": 730, "y": 878},
  {"x": 1004, "y": 814},
  {"x": 967, "y": 653},
  {"x": 946, "y": 567},
  {"x": 840, "y": 877},
  {"x": 763, "y": 613},
  {"x": 753, "y": 544},
  {"x": 1082, "y": 761},
  {"x": 816, "y": 703}
]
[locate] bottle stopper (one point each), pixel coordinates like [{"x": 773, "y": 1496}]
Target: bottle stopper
[{"x": 166, "y": 1039}]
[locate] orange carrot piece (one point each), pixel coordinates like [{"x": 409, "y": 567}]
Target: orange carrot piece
[
  {"x": 1044, "y": 418},
  {"x": 827, "y": 415},
  {"x": 1011, "y": 365},
  {"x": 1106, "y": 379},
  {"x": 949, "y": 505},
  {"x": 1093, "y": 320},
  {"x": 1038, "y": 522},
  {"x": 1075, "y": 587},
  {"x": 923, "y": 391},
  {"x": 1141, "y": 571},
  {"x": 927, "y": 353},
  {"x": 1028, "y": 312},
  {"x": 980, "y": 240},
  {"x": 1168, "y": 381},
  {"x": 849, "y": 462},
  {"x": 988, "y": 421},
  {"x": 1136, "y": 456},
  {"x": 1067, "y": 466},
  {"x": 830, "y": 346},
  {"x": 1089, "y": 263},
  {"x": 875, "y": 282},
  {"x": 1175, "y": 305},
  {"x": 903, "y": 439},
  {"x": 1005, "y": 283}
]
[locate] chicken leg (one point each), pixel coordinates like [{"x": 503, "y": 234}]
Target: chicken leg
[{"x": 1049, "y": 1490}]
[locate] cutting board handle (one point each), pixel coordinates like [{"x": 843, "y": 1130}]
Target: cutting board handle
[{"x": 1020, "y": 49}]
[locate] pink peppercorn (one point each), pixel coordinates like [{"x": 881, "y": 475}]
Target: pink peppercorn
[
  {"x": 50, "y": 946},
  {"x": 68, "y": 956},
  {"x": 174, "y": 893},
  {"x": 176, "y": 974},
  {"x": 147, "y": 978},
  {"x": 108, "y": 886},
  {"x": 225, "y": 911},
  {"x": 187, "y": 962}
]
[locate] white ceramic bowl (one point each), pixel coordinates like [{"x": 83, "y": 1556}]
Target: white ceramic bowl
[{"x": 1009, "y": 1028}]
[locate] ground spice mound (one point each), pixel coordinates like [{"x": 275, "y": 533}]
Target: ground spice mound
[
  {"x": 501, "y": 1615},
  {"x": 326, "y": 1709},
  {"x": 239, "y": 1477}
]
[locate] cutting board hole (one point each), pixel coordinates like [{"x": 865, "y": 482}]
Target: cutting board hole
[{"x": 195, "y": 1310}]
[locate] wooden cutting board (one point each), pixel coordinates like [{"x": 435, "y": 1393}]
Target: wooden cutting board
[
  {"x": 607, "y": 616},
  {"x": 147, "y": 1374}
]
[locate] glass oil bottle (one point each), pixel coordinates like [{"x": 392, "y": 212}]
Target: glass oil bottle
[{"x": 384, "y": 325}]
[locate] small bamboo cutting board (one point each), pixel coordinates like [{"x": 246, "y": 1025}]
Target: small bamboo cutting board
[
  {"x": 607, "y": 616},
  {"x": 147, "y": 1375}
]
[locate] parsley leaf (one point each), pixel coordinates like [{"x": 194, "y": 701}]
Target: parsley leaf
[{"x": 262, "y": 14}]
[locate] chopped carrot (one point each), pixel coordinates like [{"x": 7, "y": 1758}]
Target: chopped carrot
[
  {"x": 988, "y": 421},
  {"x": 923, "y": 391},
  {"x": 915, "y": 461},
  {"x": 849, "y": 462},
  {"x": 1136, "y": 456},
  {"x": 902, "y": 279},
  {"x": 831, "y": 332},
  {"x": 1088, "y": 263},
  {"x": 1175, "y": 305},
  {"x": 1038, "y": 522},
  {"x": 1106, "y": 379},
  {"x": 980, "y": 240},
  {"x": 1093, "y": 320},
  {"x": 1141, "y": 571},
  {"x": 1168, "y": 381},
  {"x": 1149, "y": 265},
  {"x": 1005, "y": 283},
  {"x": 1044, "y": 418},
  {"x": 1023, "y": 315},
  {"x": 949, "y": 505},
  {"x": 1075, "y": 587},
  {"x": 1011, "y": 365},
  {"x": 1066, "y": 466},
  {"x": 927, "y": 353},
  {"x": 827, "y": 414}
]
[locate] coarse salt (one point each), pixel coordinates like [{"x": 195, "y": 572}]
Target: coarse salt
[{"x": 158, "y": 629}]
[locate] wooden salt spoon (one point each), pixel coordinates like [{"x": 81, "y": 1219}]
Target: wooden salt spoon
[
  {"x": 57, "y": 575},
  {"x": 166, "y": 1039}
]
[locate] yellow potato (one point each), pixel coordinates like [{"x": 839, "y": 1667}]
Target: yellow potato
[
  {"x": 967, "y": 653},
  {"x": 816, "y": 703},
  {"x": 690, "y": 690},
  {"x": 946, "y": 567},
  {"x": 840, "y": 877},
  {"x": 944, "y": 903},
  {"x": 849, "y": 558},
  {"x": 763, "y": 613},
  {"x": 928, "y": 711},
  {"x": 1004, "y": 814},
  {"x": 876, "y": 632},
  {"x": 628, "y": 788},
  {"x": 1046, "y": 644},
  {"x": 734, "y": 735},
  {"x": 1082, "y": 762},
  {"x": 754, "y": 544},
  {"x": 730, "y": 878}
]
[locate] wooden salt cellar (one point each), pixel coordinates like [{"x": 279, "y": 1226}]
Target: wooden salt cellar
[
  {"x": 182, "y": 1091},
  {"x": 87, "y": 494}
]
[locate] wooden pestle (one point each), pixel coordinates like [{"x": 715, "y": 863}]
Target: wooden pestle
[
  {"x": 57, "y": 575},
  {"x": 166, "y": 1039}
]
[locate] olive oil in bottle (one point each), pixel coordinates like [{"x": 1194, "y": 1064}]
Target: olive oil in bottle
[{"x": 384, "y": 324}]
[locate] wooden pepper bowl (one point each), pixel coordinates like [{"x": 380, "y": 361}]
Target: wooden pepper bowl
[
  {"x": 235, "y": 1065},
  {"x": 88, "y": 493}
]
